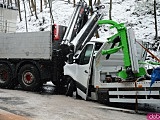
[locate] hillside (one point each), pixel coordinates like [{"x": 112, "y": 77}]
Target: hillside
[{"x": 138, "y": 14}]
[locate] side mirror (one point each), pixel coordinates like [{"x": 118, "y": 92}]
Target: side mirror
[{"x": 70, "y": 58}]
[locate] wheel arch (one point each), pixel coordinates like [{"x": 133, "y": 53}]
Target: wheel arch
[{"x": 68, "y": 79}]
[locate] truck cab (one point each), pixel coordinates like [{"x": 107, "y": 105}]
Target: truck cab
[
  {"x": 81, "y": 69},
  {"x": 90, "y": 68}
]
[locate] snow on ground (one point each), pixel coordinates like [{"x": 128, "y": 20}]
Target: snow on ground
[
  {"x": 137, "y": 14},
  {"x": 61, "y": 12}
]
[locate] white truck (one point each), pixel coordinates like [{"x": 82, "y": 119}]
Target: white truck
[{"x": 111, "y": 70}]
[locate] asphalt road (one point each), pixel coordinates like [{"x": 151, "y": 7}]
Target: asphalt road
[{"x": 49, "y": 106}]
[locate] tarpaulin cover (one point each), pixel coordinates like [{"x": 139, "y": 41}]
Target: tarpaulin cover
[{"x": 155, "y": 76}]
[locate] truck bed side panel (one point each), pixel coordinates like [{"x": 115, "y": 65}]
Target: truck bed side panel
[{"x": 31, "y": 45}]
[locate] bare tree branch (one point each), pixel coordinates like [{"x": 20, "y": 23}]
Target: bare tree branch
[
  {"x": 110, "y": 10},
  {"x": 30, "y": 7},
  {"x": 50, "y": 8},
  {"x": 155, "y": 18},
  {"x": 19, "y": 10},
  {"x": 25, "y": 15},
  {"x": 41, "y": 6}
]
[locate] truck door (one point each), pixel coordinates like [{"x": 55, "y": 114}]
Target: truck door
[{"x": 84, "y": 70}]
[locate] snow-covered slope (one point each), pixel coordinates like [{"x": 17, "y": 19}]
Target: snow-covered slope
[{"x": 135, "y": 13}]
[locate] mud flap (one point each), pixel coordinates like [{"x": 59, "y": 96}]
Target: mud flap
[{"x": 103, "y": 96}]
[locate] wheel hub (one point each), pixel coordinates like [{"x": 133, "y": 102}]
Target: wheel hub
[
  {"x": 3, "y": 75},
  {"x": 28, "y": 77}
]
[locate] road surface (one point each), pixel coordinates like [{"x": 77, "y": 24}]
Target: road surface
[{"x": 42, "y": 106}]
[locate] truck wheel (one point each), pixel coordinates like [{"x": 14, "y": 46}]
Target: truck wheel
[
  {"x": 29, "y": 77},
  {"x": 70, "y": 88},
  {"x": 6, "y": 80}
]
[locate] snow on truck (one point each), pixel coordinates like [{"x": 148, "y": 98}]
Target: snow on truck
[{"x": 112, "y": 70}]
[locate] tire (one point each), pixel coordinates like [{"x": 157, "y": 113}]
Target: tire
[
  {"x": 70, "y": 88},
  {"x": 29, "y": 78},
  {"x": 6, "y": 77}
]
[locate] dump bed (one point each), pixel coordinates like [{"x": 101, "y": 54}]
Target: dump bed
[{"x": 29, "y": 45}]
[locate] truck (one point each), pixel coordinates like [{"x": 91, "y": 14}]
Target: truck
[
  {"x": 30, "y": 59},
  {"x": 112, "y": 70}
]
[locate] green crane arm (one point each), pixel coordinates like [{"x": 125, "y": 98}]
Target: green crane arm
[{"x": 123, "y": 43}]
